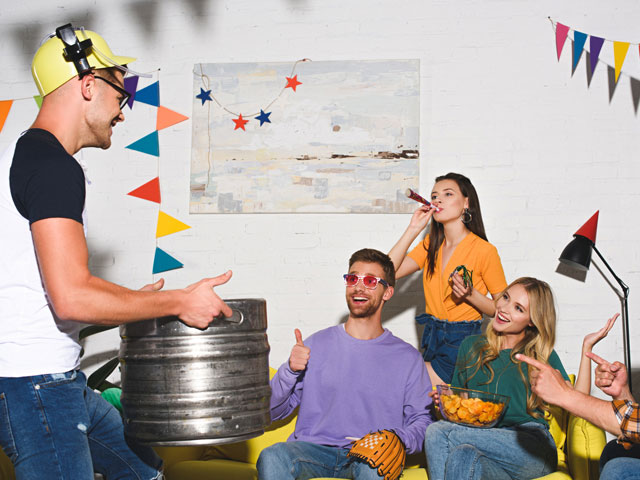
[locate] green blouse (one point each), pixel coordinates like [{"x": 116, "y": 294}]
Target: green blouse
[{"x": 506, "y": 379}]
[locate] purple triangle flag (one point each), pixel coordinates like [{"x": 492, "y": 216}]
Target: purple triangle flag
[
  {"x": 130, "y": 85},
  {"x": 163, "y": 262},
  {"x": 149, "y": 95},
  {"x": 595, "y": 45},
  {"x": 148, "y": 144},
  {"x": 579, "y": 40},
  {"x": 561, "y": 37}
]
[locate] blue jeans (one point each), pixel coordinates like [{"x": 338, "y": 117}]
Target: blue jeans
[
  {"x": 441, "y": 340},
  {"x": 54, "y": 427},
  {"x": 304, "y": 460},
  {"x": 457, "y": 452},
  {"x": 621, "y": 468}
]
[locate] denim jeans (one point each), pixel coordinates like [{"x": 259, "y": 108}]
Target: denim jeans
[
  {"x": 616, "y": 462},
  {"x": 441, "y": 340},
  {"x": 54, "y": 427},
  {"x": 304, "y": 460},
  {"x": 457, "y": 452}
]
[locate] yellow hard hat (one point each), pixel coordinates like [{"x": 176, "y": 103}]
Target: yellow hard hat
[{"x": 51, "y": 67}]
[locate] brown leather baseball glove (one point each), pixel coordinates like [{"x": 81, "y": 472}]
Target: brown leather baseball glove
[{"x": 382, "y": 450}]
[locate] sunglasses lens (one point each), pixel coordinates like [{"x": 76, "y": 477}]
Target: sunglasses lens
[
  {"x": 370, "y": 282},
  {"x": 350, "y": 279}
]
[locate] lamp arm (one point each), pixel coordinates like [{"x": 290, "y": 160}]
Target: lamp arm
[
  {"x": 625, "y": 318},
  {"x": 623, "y": 286}
]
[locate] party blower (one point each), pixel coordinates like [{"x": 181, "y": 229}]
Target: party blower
[{"x": 415, "y": 196}]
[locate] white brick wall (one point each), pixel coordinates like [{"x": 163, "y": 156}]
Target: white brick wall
[{"x": 496, "y": 106}]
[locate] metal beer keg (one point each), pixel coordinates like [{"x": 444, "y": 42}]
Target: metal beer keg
[{"x": 185, "y": 386}]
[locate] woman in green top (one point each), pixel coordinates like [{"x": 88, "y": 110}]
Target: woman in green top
[{"x": 521, "y": 446}]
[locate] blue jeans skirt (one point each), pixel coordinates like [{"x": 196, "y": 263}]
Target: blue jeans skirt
[
  {"x": 54, "y": 427},
  {"x": 441, "y": 340}
]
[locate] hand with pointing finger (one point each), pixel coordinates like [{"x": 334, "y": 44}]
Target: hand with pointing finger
[
  {"x": 611, "y": 378},
  {"x": 546, "y": 381},
  {"x": 299, "y": 354},
  {"x": 201, "y": 304}
]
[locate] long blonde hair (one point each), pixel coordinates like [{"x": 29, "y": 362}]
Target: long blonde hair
[{"x": 537, "y": 342}]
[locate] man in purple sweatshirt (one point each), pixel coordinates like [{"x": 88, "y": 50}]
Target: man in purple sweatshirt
[{"x": 348, "y": 380}]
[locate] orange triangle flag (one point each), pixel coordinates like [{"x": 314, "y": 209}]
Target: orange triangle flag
[
  {"x": 149, "y": 191},
  {"x": 168, "y": 225},
  {"x": 5, "y": 106},
  {"x": 167, "y": 118}
]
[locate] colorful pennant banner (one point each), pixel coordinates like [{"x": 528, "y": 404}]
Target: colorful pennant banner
[
  {"x": 168, "y": 225},
  {"x": 163, "y": 262},
  {"x": 149, "y": 191}
]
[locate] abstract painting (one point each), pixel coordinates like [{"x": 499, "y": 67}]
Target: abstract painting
[{"x": 342, "y": 137}]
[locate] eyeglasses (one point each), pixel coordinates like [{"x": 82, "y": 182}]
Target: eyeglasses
[
  {"x": 369, "y": 281},
  {"x": 125, "y": 95}
]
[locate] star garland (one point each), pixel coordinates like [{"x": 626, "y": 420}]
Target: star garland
[{"x": 205, "y": 95}]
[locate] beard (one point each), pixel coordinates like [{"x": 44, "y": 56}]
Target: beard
[{"x": 364, "y": 310}]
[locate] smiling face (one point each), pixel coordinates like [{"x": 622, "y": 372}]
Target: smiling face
[
  {"x": 512, "y": 315},
  {"x": 447, "y": 196},
  {"x": 364, "y": 302},
  {"x": 107, "y": 112}
]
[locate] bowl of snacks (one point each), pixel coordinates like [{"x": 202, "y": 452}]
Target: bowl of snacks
[{"x": 472, "y": 408}]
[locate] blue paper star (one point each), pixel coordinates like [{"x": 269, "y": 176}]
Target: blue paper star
[
  {"x": 263, "y": 117},
  {"x": 204, "y": 95}
]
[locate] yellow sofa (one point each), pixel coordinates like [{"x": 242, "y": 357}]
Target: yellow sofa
[{"x": 579, "y": 447}]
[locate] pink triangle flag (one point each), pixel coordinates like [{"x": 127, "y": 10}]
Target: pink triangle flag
[
  {"x": 561, "y": 37},
  {"x": 166, "y": 118}
]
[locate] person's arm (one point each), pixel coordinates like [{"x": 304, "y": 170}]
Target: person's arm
[
  {"x": 583, "y": 382},
  {"x": 548, "y": 384},
  {"x": 287, "y": 383},
  {"x": 417, "y": 412},
  {"x": 403, "y": 264},
  {"x": 75, "y": 294}
]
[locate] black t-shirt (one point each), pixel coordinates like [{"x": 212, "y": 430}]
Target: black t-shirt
[{"x": 45, "y": 181}]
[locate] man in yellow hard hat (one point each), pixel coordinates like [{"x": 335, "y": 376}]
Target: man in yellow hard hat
[{"x": 52, "y": 425}]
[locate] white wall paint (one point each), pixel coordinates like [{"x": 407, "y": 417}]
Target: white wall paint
[{"x": 544, "y": 150}]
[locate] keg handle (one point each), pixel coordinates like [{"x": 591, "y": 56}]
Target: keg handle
[{"x": 236, "y": 317}]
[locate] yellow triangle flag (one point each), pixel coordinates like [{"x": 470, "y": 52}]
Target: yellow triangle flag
[
  {"x": 5, "y": 106},
  {"x": 619, "y": 52},
  {"x": 168, "y": 225}
]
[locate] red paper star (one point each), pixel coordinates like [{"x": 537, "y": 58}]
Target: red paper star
[
  {"x": 293, "y": 82},
  {"x": 240, "y": 122}
]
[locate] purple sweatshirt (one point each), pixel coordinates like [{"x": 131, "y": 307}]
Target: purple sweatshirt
[{"x": 352, "y": 387}]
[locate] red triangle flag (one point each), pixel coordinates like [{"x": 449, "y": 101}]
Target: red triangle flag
[
  {"x": 149, "y": 191},
  {"x": 589, "y": 229},
  {"x": 561, "y": 37},
  {"x": 167, "y": 118},
  {"x": 5, "y": 106}
]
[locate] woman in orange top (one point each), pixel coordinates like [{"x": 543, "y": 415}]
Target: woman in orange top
[{"x": 456, "y": 237}]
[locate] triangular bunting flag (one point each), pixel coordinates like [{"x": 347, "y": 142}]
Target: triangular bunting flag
[
  {"x": 561, "y": 37},
  {"x": 38, "y": 100},
  {"x": 619, "y": 52},
  {"x": 149, "y": 95},
  {"x": 163, "y": 262},
  {"x": 595, "y": 45},
  {"x": 5, "y": 106},
  {"x": 148, "y": 144},
  {"x": 149, "y": 191},
  {"x": 167, "y": 118},
  {"x": 130, "y": 85},
  {"x": 579, "y": 40},
  {"x": 168, "y": 225}
]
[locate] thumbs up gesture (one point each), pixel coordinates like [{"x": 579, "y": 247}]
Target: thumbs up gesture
[{"x": 299, "y": 354}]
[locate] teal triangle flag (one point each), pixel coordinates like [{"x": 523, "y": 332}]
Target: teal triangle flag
[
  {"x": 163, "y": 262},
  {"x": 148, "y": 144},
  {"x": 149, "y": 95},
  {"x": 579, "y": 40}
]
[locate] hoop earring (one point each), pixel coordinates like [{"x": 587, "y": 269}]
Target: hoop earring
[{"x": 466, "y": 216}]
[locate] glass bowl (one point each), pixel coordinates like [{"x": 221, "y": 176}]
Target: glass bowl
[{"x": 472, "y": 408}]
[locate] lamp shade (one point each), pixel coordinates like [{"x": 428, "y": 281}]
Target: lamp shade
[{"x": 578, "y": 253}]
